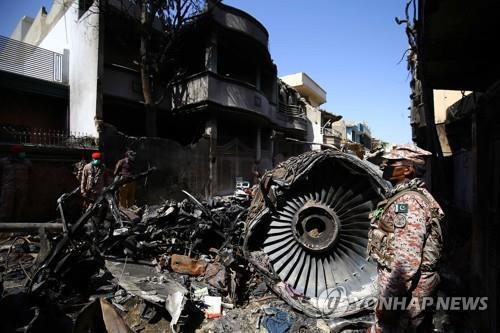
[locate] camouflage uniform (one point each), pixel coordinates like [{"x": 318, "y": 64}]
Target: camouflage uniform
[
  {"x": 256, "y": 172},
  {"x": 14, "y": 174},
  {"x": 126, "y": 168},
  {"x": 92, "y": 182},
  {"x": 405, "y": 239}
]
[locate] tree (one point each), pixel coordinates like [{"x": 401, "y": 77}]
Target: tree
[
  {"x": 172, "y": 16},
  {"x": 160, "y": 25}
]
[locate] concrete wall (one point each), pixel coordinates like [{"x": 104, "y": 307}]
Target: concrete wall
[
  {"x": 57, "y": 39},
  {"x": 61, "y": 29},
  {"x": 233, "y": 18},
  {"x": 122, "y": 83},
  {"x": 314, "y": 135},
  {"x": 44, "y": 24},
  {"x": 235, "y": 160},
  {"x": 179, "y": 168},
  {"x": 443, "y": 99},
  {"x": 22, "y": 28},
  {"x": 467, "y": 184},
  {"x": 42, "y": 198},
  {"x": 51, "y": 176},
  {"x": 313, "y": 96},
  {"x": 230, "y": 93},
  {"x": 238, "y": 95},
  {"x": 307, "y": 87},
  {"x": 83, "y": 71},
  {"x": 36, "y": 31},
  {"x": 225, "y": 92},
  {"x": 186, "y": 167}
]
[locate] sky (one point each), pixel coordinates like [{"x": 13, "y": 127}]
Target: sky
[{"x": 351, "y": 48}]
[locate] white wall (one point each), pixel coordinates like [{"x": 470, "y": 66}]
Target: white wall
[
  {"x": 314, "y": 116},
  {"x": 22, "y": 28},
  {"x": 57, "y": 39},
  {"x": 43, "y": 24},
  {"x": 45, "y": 36},
  {"x": 81, "y": 36},
  {"x": 307, "y": 87},
  {"x": 83, "y": 71},
  {"x": 443, "y": 99}
]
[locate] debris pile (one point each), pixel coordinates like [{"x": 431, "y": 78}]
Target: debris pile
[
  {"x": 208, "y": 266},
  {"x": 180, "y": 261}
]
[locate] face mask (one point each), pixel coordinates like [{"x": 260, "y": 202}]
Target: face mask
[
  {"x": 96, "y": 162},
  {"x": 21, "y": 155},
  {"x": 388, "y": 171}
]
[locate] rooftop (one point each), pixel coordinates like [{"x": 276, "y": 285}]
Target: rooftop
[{"x": 307, "y": 87}]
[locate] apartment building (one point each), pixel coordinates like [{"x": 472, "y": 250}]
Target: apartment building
[{"x": 221, "y": 116}]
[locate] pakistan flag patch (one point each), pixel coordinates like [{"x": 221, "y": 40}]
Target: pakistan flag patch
[{"x": 401, "y": 208}]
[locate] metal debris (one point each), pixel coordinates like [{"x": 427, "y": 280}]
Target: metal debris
[
  {"x": 186, "y": 265},
  {"x": 204, "y": 265}
]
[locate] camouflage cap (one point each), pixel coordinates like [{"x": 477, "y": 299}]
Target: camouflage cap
[{"x": 408, "y": 152}]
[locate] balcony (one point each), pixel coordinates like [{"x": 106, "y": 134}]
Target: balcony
[
  {"x": 291, "y": 116},
  {"x": 235, "y": 19},
  {"x": 292, "y": 111},
  {"x": 27, "y": 60},
  {"x": 224, "y": 91},
  {"x": 331, "y": 132},
  {"x": 233, "y": 94}
]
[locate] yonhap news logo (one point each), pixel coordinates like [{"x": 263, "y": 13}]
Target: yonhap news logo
[
  {"x": 337, "y": 302},
  {"x": 333, "y": 301},
  {"x": 453, "y": 303}
]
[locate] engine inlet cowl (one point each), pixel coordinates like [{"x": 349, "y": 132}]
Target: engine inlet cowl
[{"x": 309, "y": 225}]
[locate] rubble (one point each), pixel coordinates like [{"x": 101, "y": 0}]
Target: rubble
[{"x": 183, "y": 265}]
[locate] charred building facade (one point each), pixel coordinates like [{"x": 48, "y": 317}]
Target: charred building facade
[
  {"x": 454, "y": 113},
  {"x": 221, "y": 116}
]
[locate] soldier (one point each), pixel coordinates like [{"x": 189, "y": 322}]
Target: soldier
[
  {"x": 15, "y": 171},
  {"x": 93, "y": 180},
  {"x": 256, "y": 172},
  {"x": 124, "y": 168},
  {"x": 405, "y": 240}
]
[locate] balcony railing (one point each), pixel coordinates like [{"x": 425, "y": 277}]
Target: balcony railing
[
  {"x": 45, "y": 137},
  {"x": 226, "y": 92},
  {"x": 331, "y": 132},
  {"x": 32, "y": 61},
  {"x": 292, "y": 110}
]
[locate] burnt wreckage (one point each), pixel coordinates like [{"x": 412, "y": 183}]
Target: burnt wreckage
[
  {"x": 307, "y": 231},
  {"x": 304, "y": 235}
]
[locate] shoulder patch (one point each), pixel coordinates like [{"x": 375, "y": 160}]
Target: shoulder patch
[
  {"x": 401, "y": 208},
  {"x": 400, "y": 221}
]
